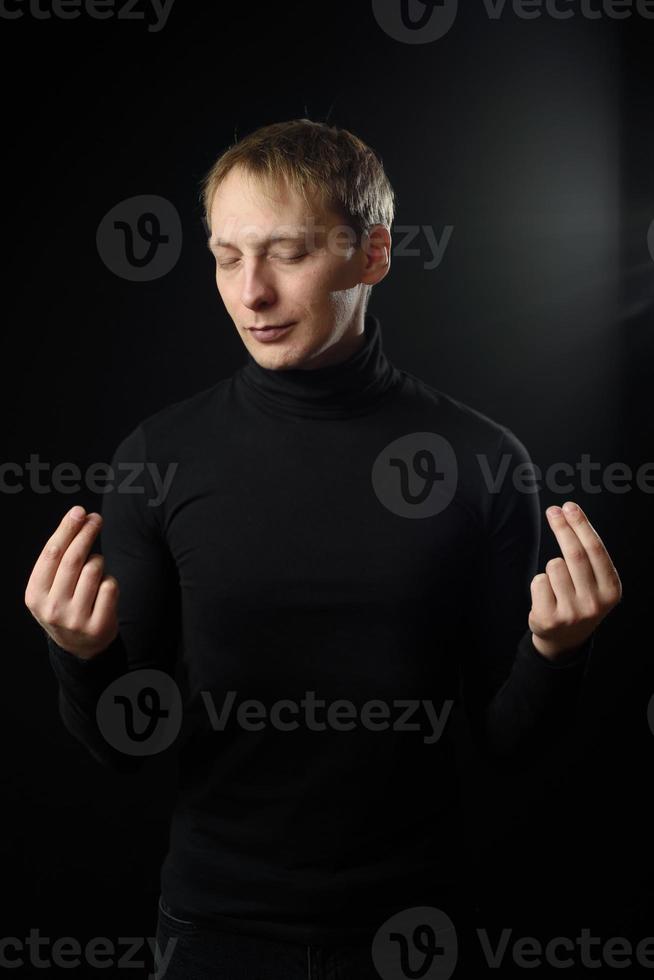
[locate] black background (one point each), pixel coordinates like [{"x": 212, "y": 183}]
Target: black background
[{"x": 534, "y": 140}]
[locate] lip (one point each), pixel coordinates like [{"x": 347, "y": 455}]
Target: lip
[{"x": 267, "y": 334}]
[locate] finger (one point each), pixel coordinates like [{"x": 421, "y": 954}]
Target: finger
[
  {"x": 45, "y": 567},
  {"x": 103, "y": 608},
  {"x": 574, "y": 553},
  {"x": 543, "y": 600},
  {"x": 87, "y": 586},
  {"x": 74, "y": 558},
  {"x": 562, "y": 585},
  {"x": 604, "y": 570}
]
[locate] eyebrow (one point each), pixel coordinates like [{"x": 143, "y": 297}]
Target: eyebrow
[{"x": 278, "y": 237}]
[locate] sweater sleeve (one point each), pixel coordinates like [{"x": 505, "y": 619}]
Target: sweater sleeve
[
  {"x": 135, "y": 552},
  {"x": 517, "y": 700}
]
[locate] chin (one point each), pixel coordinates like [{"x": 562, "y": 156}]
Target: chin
[{"x": 280, "y": 357}]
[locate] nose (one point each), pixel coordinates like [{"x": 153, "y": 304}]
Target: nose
[{"x": 256, "y": 286}]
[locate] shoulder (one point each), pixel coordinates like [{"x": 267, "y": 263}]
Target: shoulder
[
  {"x": 173, "y": 426},
  {"x": 186, "y": 411},
  {"x": 467, "y": 427}
]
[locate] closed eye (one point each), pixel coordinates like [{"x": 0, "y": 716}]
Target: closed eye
[{"x": 283, "y": 258}]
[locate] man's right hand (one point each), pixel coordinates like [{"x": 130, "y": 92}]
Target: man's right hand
[{"x": 67, "y": 593}]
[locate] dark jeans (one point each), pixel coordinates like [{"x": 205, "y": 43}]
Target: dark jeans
[{"x": 186, "y": 951}]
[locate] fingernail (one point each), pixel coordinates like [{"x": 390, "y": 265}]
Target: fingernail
[
  {"x": 77, "y": 513},
  {"x": 569, "y": 507},
  {"x": 553, "y": 511}
]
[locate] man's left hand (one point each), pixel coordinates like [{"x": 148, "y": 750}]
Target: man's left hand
[{"x": 574, "y": 593}]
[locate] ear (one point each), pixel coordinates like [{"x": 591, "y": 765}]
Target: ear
[{"x": 376, "y": 247}]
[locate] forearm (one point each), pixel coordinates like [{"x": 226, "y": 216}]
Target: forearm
[
  {"x": 81, "y": 684},
  {"x": 537, "y": 703}
]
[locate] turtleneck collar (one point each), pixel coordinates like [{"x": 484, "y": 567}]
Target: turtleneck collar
[{"x": 352, "y": 387}]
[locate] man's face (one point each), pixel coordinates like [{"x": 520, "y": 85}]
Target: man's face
[{"x": 312, "y": 277}]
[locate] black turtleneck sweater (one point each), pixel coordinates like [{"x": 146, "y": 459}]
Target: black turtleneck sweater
[{"x": 327, "y": 534}]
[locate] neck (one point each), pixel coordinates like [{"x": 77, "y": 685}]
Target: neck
[{"x": 353, "y": 385}]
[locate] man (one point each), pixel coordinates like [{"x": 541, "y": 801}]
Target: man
[{"x": 328, "y": 542}]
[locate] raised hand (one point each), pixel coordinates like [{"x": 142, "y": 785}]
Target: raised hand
[
  {"x": 575, "y": 592},
  {"x": 67, "y": 593}
]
